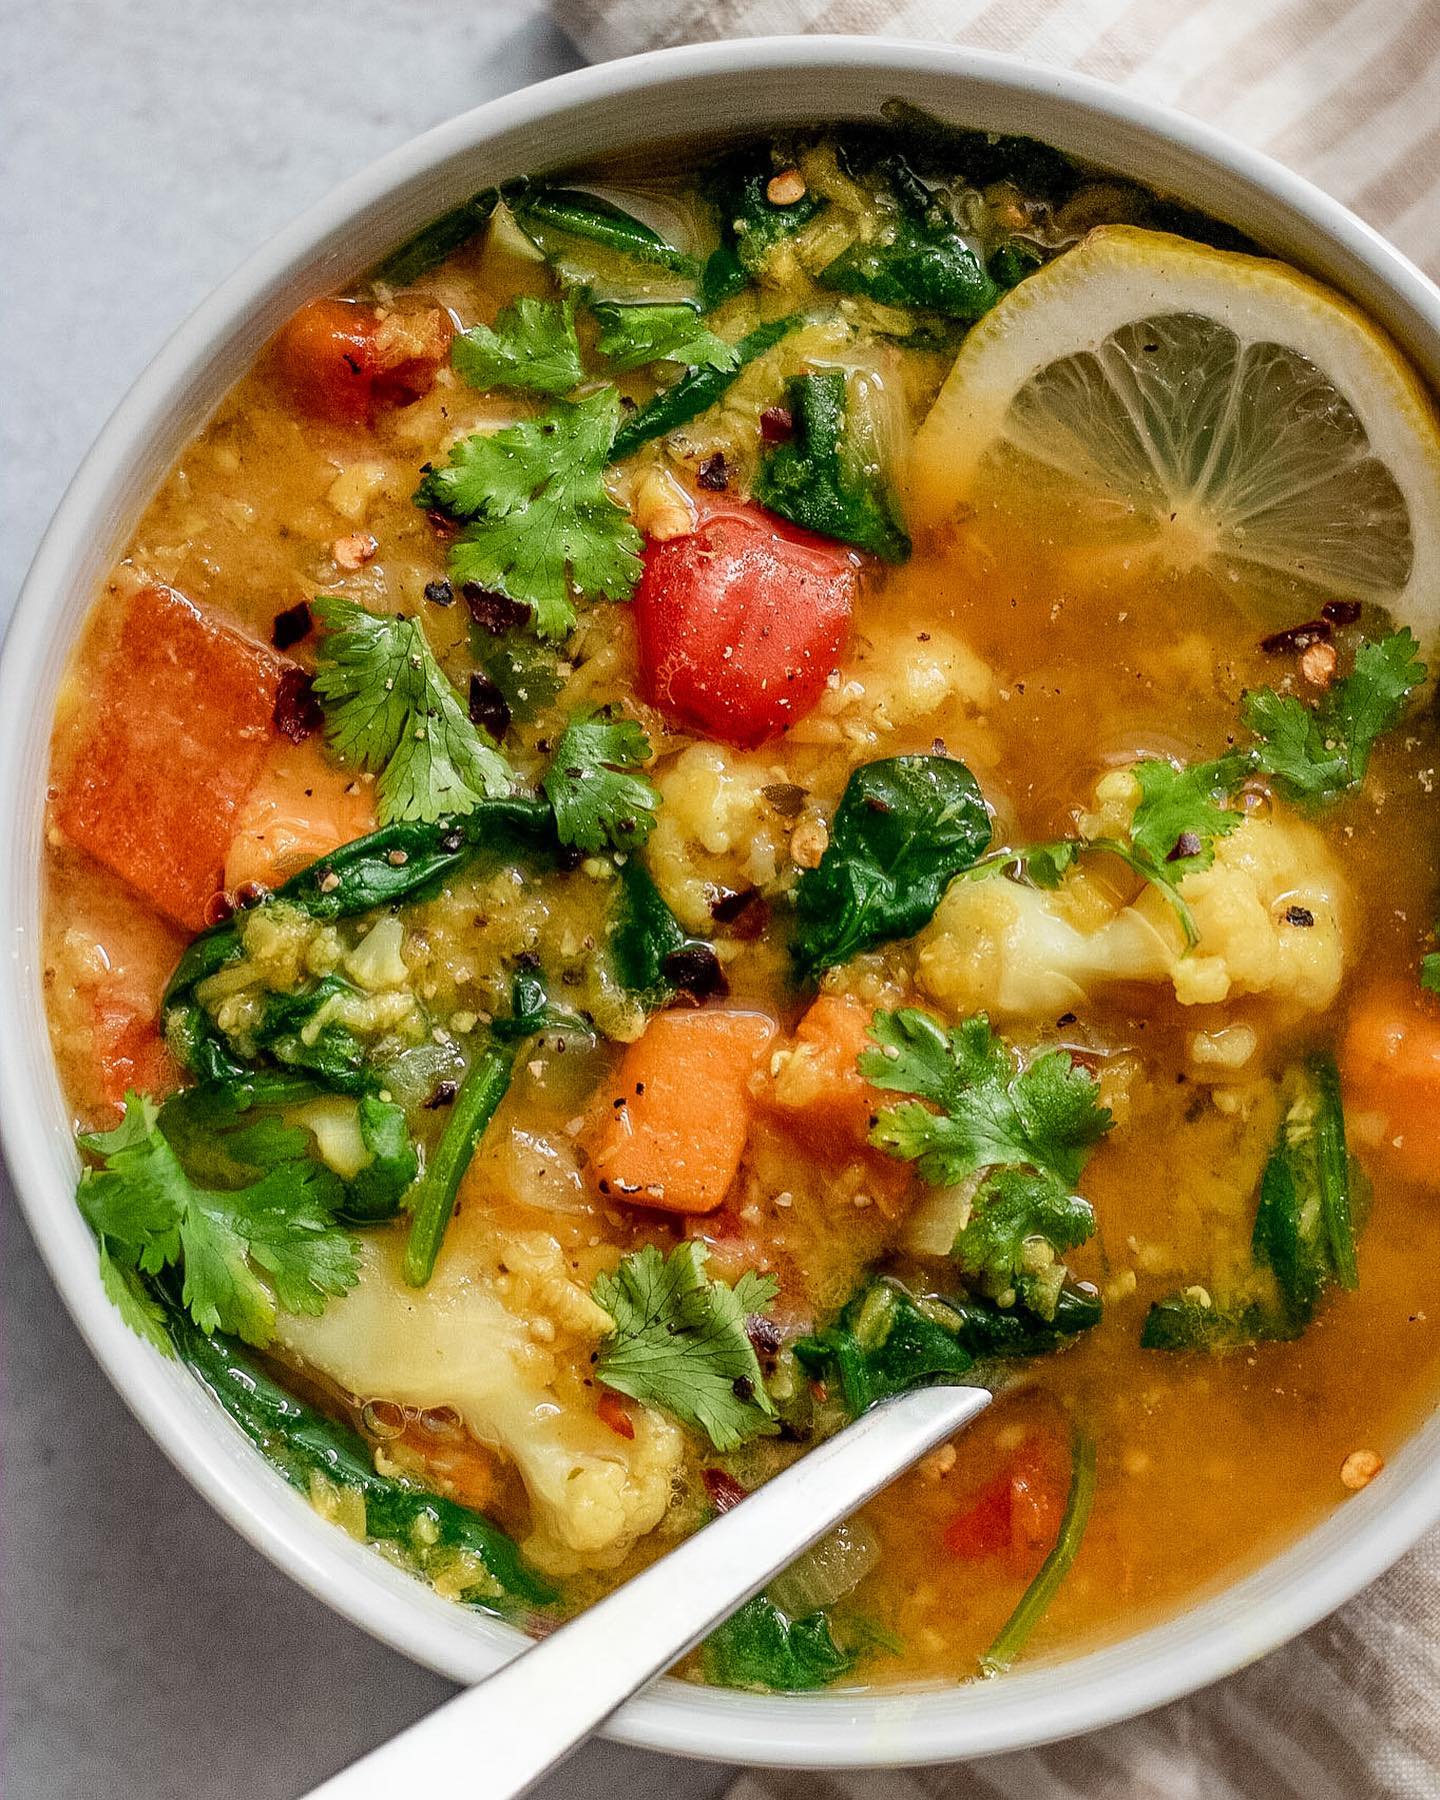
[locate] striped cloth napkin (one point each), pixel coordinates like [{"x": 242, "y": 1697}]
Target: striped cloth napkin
[{"x": 1348, "y": 93}]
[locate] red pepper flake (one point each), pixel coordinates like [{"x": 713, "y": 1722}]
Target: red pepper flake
[
  {"x": 1297, "y": 638},
  {"x": 443, "y": 1095},
  {"x": 294, "y": 623},
  {"x": 695, "y": 971},
  {"x": 777, "y": 425},
  {"x": 1341, "y": 612},
  {"x": 611, "y": 1409},
  {"x": 713, "y": 474},
  {"x": 745, "y": 913},
  {"x": 495, "y": 612},
  {"x": 724, "y": 1490},
  {"x": 297, "y": 711},
  {"x": 251, "y": 893}
]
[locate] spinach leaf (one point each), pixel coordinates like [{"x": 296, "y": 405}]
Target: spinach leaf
[
  {"x": 762, "y": 1647},
  {"x": 751, "y": 226},
  {"x": 408, "y": 860},
  {"x": 424, "y": 1528},
  {"x": 917, "y": 258},
  {"x": 654, "y": 957},
  {"x": 904, "y": 827},
  {"x": 825, "y": 478},
  {"x": 375, "y": 1192},
  {"x": 334, "y": 1055},
  {"x": 888, "y": 1340}
]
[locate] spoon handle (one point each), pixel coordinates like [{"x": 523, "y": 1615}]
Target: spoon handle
[{"x": 497, "y": 1739}]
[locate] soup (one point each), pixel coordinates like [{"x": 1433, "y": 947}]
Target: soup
[{"x": 748, "y": 779}]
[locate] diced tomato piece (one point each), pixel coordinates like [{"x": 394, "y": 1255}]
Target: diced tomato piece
[
  {"x": 674, "y": 1123},
  {"x": 1017, "y": 1513},
  {"x": 301, "y": 807},
  {"x": 740, "y": 623},
  {"x": 611, "y": 1409},
  {"x": 344, "y": 360},
  {"x": 1390, "y": 1067},
  {"x": 178, "y": 725}
]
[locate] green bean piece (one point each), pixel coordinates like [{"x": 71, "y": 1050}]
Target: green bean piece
[
  {"x": 695, "y": 392},
  {"x": 580, "y": 215},
  {"x": 1015, "y": 1632},
  {"x": 442, "y": 237},
  {"x": 432, "y": 1199}
]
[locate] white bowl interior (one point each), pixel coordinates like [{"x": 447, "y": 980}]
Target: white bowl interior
[{"x": 710, "y": 88}]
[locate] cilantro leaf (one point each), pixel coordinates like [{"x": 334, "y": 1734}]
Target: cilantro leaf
[
  {"x": 1019, "y": 1229},
  {"x": 1182, "y": 812},
  {"x": 541, "y": 520},
  {"x": 150, "y": 1215},
  {"x": 1045, "y": 1117},
  {"x": 531, "y": 345},
  {"x": 633, "y": 335},
  {"x": 389, "y": 709},
  {"x": 680, "y": 1342},
  {"x": 1430, "y": 972},
  {"x": 1180, "y": 818},
  {"x": 127, "y": 1293},
  {"x": 598, "y": 802},
  {"x": 1316, "y": 753},
  {"x": 1026, "y": 1132}
]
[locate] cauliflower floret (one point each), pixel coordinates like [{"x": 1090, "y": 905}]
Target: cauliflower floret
[
  {"x": 505, "y": 1339},
  {"x": 1271, "y": 913},
  {"x": 715, "y": 829},
  {"x": 909, "y": 684},
  {"x": 997, "y": 947}
]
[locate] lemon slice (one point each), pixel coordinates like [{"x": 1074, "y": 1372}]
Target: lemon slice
[{"x": 1208, "y": 408}]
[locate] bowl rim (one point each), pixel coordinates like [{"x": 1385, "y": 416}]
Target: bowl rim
[{"x": 1241, "y": 1619}]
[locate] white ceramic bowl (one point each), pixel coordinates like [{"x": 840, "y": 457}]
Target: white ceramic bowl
[{"x": 713, "y": 87}]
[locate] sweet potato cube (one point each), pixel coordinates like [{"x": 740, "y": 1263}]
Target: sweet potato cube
[
  {"x": 176, "y": 729},
  {"x": 678, "y": 1114}
]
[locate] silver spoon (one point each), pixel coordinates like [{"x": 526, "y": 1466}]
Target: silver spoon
[{"x": 496, "y": 1740}]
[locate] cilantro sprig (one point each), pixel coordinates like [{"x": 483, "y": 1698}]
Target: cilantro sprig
[
  {"x": 1313, "y": 755},
  {"x": 598, "y": 799},
  {"x": 634, "y": 335},
  {"x": 1024, "y": 1130},
  {"x": 532, "y": 345},
  {"x": 680, "y": 1342},
  {"x": 389, "y": 708},
  {"x": 540, "y": 525},
  {"x": 241, "y": 1249},
  {"x": 1316, "y": 753}
]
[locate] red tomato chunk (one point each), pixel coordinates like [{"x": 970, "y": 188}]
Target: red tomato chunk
[
  {"x": 1017, "y": 1514},
  {"x": 740, "y": 623}
]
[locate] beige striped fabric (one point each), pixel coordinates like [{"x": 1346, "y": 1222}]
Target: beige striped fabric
[
  {"x": 1345, "y": 91},
  {"x": 1348, "y": 93}
]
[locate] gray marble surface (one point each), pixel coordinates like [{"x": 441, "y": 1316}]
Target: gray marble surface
[{"x": 148, "y": 146}]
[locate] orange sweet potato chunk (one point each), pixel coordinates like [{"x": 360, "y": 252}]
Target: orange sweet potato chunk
[
  {"x": 174, "y": 736},
  {"x": 301, "y": 807},
  {"x": 678, "y": 1114}
]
